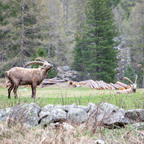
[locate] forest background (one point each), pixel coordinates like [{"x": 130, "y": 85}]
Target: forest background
[{"x": 48, "y": 28}]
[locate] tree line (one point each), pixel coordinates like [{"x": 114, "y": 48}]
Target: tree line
[{"x": 82, "y": 34}]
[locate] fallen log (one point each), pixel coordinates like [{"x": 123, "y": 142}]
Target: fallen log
[{"x": 123, "y": 84}]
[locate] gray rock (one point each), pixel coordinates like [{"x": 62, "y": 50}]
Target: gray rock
[
  {"x": 65, "y": 68},
  {"x": 56, "y": 115},
  {"x": 139, "y": 126},
  {"x": 77, "y": 116},
  {"x": 135, "y": 115},
  {"x": 102, "y": 111},
  {"x": 85, "y": 108},
  {"x": 67, "y": 126},
  {"x": 26, "y": 113},
  {"x": 4, "y": 113},
  {"x": 109, "y": 115},
  {"x": 45, "y": 111},
  {"x": 65, "y": 73},
  {"x": 59, "y": 106},
  {"x": 66, "y": 108},
  {"x": 107, "y": 108},
  {"x": 99, "y": 142},
  {"x": 93, "y": 107},
  {"x": 116, "y": 118}
]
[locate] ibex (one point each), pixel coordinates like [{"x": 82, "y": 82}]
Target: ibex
[
  {"x": 132, "y": 88},
  {"x": 27, "y": 76}
]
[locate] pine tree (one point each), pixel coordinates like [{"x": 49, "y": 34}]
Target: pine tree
[
  {"x": 22, "y": 31},
  {"x": 94, "y": 53}
]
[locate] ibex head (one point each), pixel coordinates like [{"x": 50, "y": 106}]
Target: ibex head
[
  {"x": 43, "y": 62},
  {"x": 133, "y": 85}
]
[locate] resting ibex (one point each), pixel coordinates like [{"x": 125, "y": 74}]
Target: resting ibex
[
  {"x": 133, "y": 87},
  {"x": 24, "y": 76}
]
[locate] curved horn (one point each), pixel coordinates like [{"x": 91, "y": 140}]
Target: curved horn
[
  {"x": 135, "y": 79},
  {"x": 41, "y": 59},
  {"x": 33, "y": 62},
  {"x": 128, "y": 80}
]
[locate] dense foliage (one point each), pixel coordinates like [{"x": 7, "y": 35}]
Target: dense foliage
[
  {"x": 47, "y": 28},
  {"x": 95, "y": 55}
]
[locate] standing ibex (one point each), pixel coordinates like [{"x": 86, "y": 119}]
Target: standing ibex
[
  {"x": 24, "y": 76},
  {"x": 132, "y": 88}
]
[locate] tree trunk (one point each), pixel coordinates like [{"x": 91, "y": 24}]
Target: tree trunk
[
  {"x": 22, "y": 40},
  {"x": 143, "y": 82}
]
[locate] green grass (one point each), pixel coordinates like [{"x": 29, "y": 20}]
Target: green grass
[{"x": 80, "y": 96}]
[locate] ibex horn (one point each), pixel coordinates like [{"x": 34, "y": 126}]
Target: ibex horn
[
  {"x": 41, "y": 59},
  {"x": 135, "y": 79},
  {"x": 128, "y": 80},
  {"x": 33, "y": 62}
]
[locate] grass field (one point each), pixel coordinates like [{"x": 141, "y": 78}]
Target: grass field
[{"x": 68, "y": 95}]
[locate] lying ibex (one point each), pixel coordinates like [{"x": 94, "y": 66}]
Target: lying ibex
[
  {"x": 132, "y": 88},
  {"x": 24, "y": 76}
]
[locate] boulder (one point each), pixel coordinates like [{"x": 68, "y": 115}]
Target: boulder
[
  {"x": 56, "y": 115},
  {"x": 99, "y": 142},
  {"x": 25, "y": 114},
  {"x": 66, "y": 108},
  {"x": 85, "y": 108},
  {"x": 65, "y": 73},
  {"x": 109, "y": 115},
  {"x": 4, "y": 113},
  {"x": 45, "y": 111},
  {"x": 77, "y": 116},
  {"x": 116, "y": 119},
  {"x": 135, "y": 115}
]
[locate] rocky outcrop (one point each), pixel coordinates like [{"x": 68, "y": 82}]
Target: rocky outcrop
[
  {"x": 65, "y": 73},
  {"x": 106, "y": 114}
]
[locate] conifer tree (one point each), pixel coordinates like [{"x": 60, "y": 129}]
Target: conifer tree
[
  {"x": 94, "y": 53},
  {"x": 22, "y": 31}
]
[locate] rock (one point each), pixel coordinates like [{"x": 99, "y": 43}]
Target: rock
[
  {"x": 67, "y": 127},
  {"x": 56, "y": 115},
  {"x": 55, "y": 125},
  {"x": 45, "y": 111},
  {"x": 77, "y": 116},
  {"x": 139, "y": 126},
  {"x": 4, "y": 113},
  {"x": 99, "y": 142},
  {"x": 59, "y": 106},
  {"x": 116, "y": 119},
  {"x": 109, "y": 115},
  {"x": 102, "y": 111},
  {"x": 107, "y": 108},
  {"x": 65, "y": 68},
  {"x": 26, "y": 113},
  {"x": 135, "y": 115},
  {"x": 66, "y": 108},
  {"x": 85, "y": 108},
  {"x": 65, "y": 73},
  {"x": 92, "y": 108}
]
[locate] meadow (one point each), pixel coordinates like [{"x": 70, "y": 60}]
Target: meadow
[{"x": 64, "y": 95}]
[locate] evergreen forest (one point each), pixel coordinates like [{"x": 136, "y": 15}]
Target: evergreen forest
[{"x": 101, "y": 39}]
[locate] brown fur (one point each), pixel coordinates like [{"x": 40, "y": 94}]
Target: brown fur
[{"x": 24, "y": 76}]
